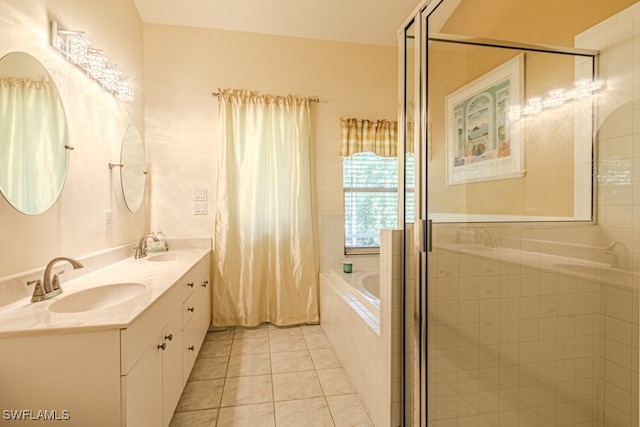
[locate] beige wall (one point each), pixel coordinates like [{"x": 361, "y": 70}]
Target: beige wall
[
  {"x": 180, "y": 67},
  {"x": 74, "y": 226},
  {"x": 184, "y": 65}
]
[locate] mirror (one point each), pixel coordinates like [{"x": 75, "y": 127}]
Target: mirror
[
  {"x": 498, "y": 156},
  {"x": 133, "y": 172},
  {"x": 511, "y": 124},
  {"x": 34, "y": 139}
]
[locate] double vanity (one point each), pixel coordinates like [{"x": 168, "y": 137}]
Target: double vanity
[
  {"x": 114, "y": 349},
  {"x": 112, "y": 341}
]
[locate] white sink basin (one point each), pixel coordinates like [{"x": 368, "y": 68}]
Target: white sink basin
[
  {"x": 96, "y": 298},
  {"x": 170, "y": 256}
]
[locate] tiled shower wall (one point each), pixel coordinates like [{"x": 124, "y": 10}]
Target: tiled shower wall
[
  {"x": 511, "y": 343},
  {"x": 618, "y": 210}
]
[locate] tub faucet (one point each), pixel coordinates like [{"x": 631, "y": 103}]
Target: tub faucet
[
  {"x": 486, "y": 241},
  {"x": 50, "y": 287},
  {"x": 619, "y": 255},
  {"x": 141, "y": 249}
]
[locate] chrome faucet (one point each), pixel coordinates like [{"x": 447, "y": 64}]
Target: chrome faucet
[
  {"x": 141, "y": 249},
  {"x": 50, "y": 287},
  {"x": 620, "y": 253}
]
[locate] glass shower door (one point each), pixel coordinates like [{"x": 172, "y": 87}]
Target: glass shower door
[{"x": 531, "y": 284}]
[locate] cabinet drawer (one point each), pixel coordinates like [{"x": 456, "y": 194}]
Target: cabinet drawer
[
  {"x": 196, "y": 277},
  {"x": 189, "y": 308},
  {"x": 188, "y": 285}
]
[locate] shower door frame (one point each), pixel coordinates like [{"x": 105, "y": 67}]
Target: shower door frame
[
  {"x": 414, "y": 336},
  {"x": 418, "y": 244}
]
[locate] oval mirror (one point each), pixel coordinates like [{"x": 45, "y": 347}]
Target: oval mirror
[
  {"x": 132, "y": 173},
  {"x": 34, "y": 139}
]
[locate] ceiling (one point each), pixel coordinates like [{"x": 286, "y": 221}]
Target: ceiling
[{"x": 357, "y": 21}]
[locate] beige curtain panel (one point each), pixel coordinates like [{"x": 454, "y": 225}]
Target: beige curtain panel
[
  {"x": 362, "y": 135},
  {"x": 265, "y": 255}
]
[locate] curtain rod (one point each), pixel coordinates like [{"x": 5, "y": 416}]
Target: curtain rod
[{"x": 216, "y": 94}]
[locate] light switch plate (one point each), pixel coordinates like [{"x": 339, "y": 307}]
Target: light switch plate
[
  {"x": 200, "y": 194},
  {"x": 200, "y": 208}
]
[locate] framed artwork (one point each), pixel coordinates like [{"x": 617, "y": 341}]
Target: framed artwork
[{"x": 482, "y": 143}]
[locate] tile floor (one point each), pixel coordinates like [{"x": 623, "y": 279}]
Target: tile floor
[{"x": 269, "y": 376}]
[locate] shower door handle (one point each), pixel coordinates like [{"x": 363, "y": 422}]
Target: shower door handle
[{"x": 426, "y": 243}]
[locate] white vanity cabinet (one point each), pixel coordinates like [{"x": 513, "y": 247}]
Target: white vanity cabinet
[
  {"x": 106, "y": 375},
  {"x": 160, "y": 373}
]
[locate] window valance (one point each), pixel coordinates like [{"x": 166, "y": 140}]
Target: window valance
[{"x": 362, "y": 135}]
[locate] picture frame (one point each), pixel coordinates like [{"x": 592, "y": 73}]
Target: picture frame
[{"x": 482, "y": 143}]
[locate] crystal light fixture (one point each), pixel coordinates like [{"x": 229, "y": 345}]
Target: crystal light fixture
[
  {"x": 76, "y": 48},
  {"x": 555, "y": 98},
  {"x": 96, "y": 63}
]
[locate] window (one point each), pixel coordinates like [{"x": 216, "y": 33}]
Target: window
[
  {"x": 410, "y": 185},
  {"x": 371, "y": 199}
]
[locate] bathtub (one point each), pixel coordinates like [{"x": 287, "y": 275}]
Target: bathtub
[
  {"x": 350, "y": 317},
  {"x": 357, "y": 312},
  {"x": 361, "y": 289},
  {"x": 368, "y": 282},
  {"x": 364, "y": 286}
]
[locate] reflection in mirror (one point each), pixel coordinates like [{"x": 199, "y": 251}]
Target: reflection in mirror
[
  {"x": 132, "y": 173},
  {"x": 492, "y": 164},
  {"x": 33, "y": 135}
]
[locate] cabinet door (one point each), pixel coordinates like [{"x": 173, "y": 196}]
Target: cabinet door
[
  {"x": 172, "y": 381},
  {"x": 188, "y": 352},
  {"x": 142, "y": 390}
]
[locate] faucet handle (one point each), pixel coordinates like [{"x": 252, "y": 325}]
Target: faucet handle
[
  {"x": 38, "y": 291},
  {"x": 55, "y": 283}
]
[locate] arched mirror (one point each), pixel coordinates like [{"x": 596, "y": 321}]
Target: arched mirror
[
  {"x": 34, "y": 139},
  {"x": 133, "y": 173}
]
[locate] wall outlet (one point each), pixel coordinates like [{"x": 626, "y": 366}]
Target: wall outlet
[{"x": 108, "y": 220}]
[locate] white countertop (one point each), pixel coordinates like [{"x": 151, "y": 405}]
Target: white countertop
[{"x": 24, "y": 317}]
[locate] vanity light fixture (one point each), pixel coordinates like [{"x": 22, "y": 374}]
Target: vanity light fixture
[
  {"x": 76, "y": 48},
  {"x": 555, "y": 98}
]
